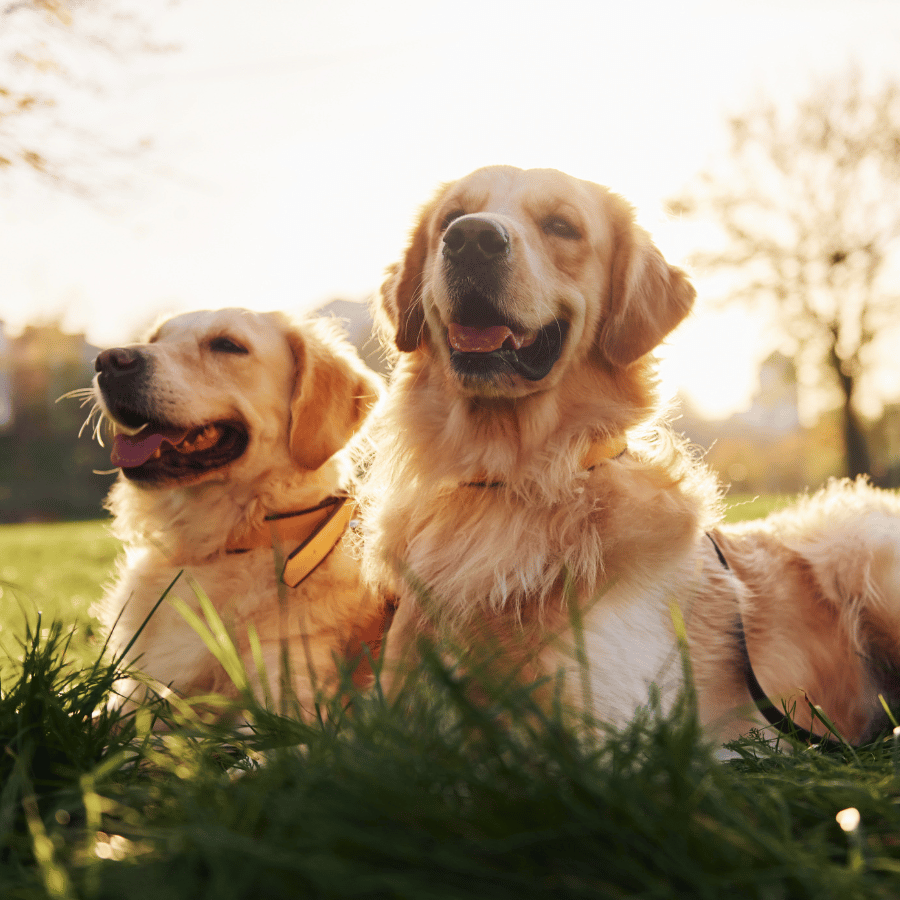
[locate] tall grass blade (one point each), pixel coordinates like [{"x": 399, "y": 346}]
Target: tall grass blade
[{"x": 215, "y": 635}]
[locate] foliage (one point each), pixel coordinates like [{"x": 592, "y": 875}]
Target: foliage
[
  {"x": 809, "y": 205},
  {"x": 55, "y": 726},
  {"x": 50, "y": 476},
  {"x": 48, "y": 463}
]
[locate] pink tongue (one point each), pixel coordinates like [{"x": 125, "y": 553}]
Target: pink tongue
[
  {"x": 134, "y": 450},
  {"x": 479, "y": 340}
]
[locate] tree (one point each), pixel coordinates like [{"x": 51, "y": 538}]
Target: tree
[
  {"x": 809, "y": 203},
  {"x": 52, "y": 55}
]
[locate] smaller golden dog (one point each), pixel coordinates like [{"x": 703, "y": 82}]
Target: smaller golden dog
[{"x": 225, "y": 428}]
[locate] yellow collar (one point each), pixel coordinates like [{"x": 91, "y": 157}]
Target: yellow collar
[
  {"x": 313, "y": 533},
  {"x": 596, "y": 453},
  {"x": 601, "y": 450}
]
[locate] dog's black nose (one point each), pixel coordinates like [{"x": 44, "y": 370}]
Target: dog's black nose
[
  {"x": 473, "y": 239},
  {"x": 119, "y": 361}
]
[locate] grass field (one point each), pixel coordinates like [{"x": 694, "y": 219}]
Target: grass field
[
  {"x": 58, "y": 571},
  {"x": 62, "y": 562},
  {"x": 430, "y": 797}
]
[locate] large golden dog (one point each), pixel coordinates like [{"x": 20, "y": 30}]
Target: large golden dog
[
  {"x": 226, "y": 424},
  {"x": 518, "y": 471}
]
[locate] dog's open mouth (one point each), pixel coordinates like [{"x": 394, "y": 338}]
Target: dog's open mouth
[
  {"x": 497, "y": 349},
  {"x": 158, "y": 452}
]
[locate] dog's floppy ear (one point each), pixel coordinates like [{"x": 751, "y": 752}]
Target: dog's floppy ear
[
  {"x": 647, "y": 297},
  {"x": 333, "y": 393},
  {"x": 401, "y": 293}
]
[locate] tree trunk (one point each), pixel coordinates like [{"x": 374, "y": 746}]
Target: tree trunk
[{"x": 856, "y": 448}]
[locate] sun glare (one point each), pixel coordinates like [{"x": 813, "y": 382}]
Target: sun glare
[{"x": 295, "y": 149}]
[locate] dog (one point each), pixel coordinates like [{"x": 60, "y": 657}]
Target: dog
[
  {"x": 525, "y": 488},
  {"x": 227, "y": 427}
]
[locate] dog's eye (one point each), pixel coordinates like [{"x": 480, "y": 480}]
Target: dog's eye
[
  {"x": 227, "y": 345},
  {"x": 559, "y": 227},
  {"x": 445, "y": 222}
]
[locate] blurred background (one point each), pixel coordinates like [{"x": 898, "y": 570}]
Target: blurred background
[{"x": 159, "y": 156}]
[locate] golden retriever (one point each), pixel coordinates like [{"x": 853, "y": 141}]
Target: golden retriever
[
  {"x": 226, "y": 424},
  {"x": 522, "y": 487}
]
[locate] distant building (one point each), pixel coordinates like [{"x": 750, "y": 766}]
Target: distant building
[
  {"x": 774, "y": 410},
  {"x": 359, "y": 327},
  {"x": 764, "y": 448}
]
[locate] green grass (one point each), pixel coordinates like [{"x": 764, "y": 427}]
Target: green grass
[
  {"x": 434, "y": 797},
  {"x": 431, "y": 797},
  {"x": 59, "y": 568},
  {"x": 744, "y": 507}
]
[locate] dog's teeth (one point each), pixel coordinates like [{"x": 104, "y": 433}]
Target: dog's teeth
[
  {"x": 202, "y": 440},
  {"x": 526, "y": 339}
]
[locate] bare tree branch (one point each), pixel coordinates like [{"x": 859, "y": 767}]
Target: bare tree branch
[
  {"x": 809, "y": 205},
  {"x": 49, "y": 50}
]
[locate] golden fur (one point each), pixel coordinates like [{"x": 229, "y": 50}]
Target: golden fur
[
  {"x": 299, "y": 392},
  {"x": 479, "y": 505}
]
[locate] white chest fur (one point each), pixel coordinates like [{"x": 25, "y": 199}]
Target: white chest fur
[{"x": 626, "y": 644}]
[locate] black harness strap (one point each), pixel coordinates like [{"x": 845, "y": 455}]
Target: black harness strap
[{"x": 779, "y": 719}]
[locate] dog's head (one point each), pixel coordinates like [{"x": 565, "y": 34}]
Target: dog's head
[
  {"x": 215, "y": 393},
  {"x": 512, "y": 276}
]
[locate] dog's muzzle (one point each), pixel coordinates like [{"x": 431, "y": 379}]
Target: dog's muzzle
[
  {"x": 146, "y": 447},
  {"x": 122, "y": 374},
  {"x": 484, "y": 342}
]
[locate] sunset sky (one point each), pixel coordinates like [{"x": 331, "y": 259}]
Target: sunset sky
[{"x": 294, "y": 141}]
